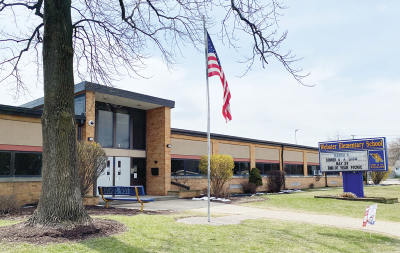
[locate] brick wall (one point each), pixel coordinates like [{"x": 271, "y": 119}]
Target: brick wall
[
  {"x": 305, "y": 182},
  {"x": 25, "y": 192},
  {"x": 291, "y": 182},
  {"x": 158, "y": 135},
  {"x": 20, "y": 118},
  {"x": 88, "y": 131}
]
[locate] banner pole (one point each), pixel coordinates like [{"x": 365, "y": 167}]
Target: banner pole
[{"x": 208, "y": 119}]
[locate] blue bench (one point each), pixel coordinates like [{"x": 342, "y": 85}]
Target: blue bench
[{"x": 136, "y": 190}]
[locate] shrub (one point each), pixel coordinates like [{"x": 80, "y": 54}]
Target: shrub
[
  {"x": 378, "y": 176},
  {"x": 249, "y": 188},
  {"x": 221, "y": 169},
  {"x": 276, "y": 180},
  {"x": 311, "y": 186},
  {"x": 92, "y": 160},
  {"x": 255, "y": 177},
  {"x": 7, "y": 204}
]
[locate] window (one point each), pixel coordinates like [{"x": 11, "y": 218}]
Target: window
[
  {"x": 120, "y": 127},
  {"x": 264, "y": 168},
  {"x": 332, "y": 173},
  {"x": 5, "y": 163},
  {"x": 184, "y": 167},
  {"x": 80, "y": 104},
  {"x": 20, "y": 164},
  {"x": 105, "y": 129},
  {"x": 122, "y": 133},
  {"x": 28, "y": 164},
  {"x": 294, "y": 169},
  {"x": 241, "y": 168},
  {"x": 311, "y": 169}
]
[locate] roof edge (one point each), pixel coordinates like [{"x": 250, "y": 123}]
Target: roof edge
[
  {"x": 238, "y": 139},
  {"x": 89, "y": 86},
  {"x": 28, "y": 112}
]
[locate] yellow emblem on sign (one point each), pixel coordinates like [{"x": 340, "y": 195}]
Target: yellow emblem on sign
[{"x": 377, "y": 157}]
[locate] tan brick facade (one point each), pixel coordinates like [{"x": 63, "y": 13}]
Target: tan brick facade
[
  {"x": 298, "y": 183},
  {"x": 89, "y": 131},
  {"x": 292, "y": 182},
  {"x": 20, "y": 118},
  {"x": 158, "y": 135},
  {"x": 25, "y": 192}
]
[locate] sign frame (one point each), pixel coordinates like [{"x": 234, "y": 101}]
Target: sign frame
[{"x": 375, "y": 147}]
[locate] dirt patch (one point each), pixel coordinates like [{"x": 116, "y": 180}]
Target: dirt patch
[
  {"x": 24, "y": 213},
  {"x": 247, "y": 199},
  {"x": 37, "y": 235}
]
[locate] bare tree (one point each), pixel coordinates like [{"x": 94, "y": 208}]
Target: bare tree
[
  {"x": 394, "y": 151},
  {"x": 337, "y": 136},
  {"x": 99, "y": 39}
]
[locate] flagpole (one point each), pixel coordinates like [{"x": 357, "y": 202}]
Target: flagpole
[{"x": 208, "y": 119}]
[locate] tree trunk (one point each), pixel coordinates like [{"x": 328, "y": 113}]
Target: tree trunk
[{"x": 60, "y": 202}]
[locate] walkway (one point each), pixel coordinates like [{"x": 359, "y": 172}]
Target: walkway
[{"x": 239, "y": 213}]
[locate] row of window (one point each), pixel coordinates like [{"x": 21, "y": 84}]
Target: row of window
[
  {"x": 14, "y": 163},
  {"x": 188, "y": 167}
]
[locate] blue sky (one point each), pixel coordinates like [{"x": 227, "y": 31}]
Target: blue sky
[{"x": 351, "y": 49}]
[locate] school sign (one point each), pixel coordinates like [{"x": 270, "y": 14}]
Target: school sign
[{"x": 353, "y": 155}]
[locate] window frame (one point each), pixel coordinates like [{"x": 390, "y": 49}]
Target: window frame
[
  {"x": 240, "y": 169},
  {"x": 184, "y": 167},
  {"x": 84, "y": 104},
  {"x": 13, "y": 162},
  {"x": 309, "y": 169},
  {"x": 263, "y": 171},
  {"x": 132, "y": 113},
  {"x": 290, "y": 166}
]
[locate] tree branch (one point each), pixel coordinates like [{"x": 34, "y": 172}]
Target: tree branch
[
  {"x": 37, "y": 6},
  {"x": 15, "y": 60}
]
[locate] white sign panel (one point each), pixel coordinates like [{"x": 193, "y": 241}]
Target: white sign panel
[
  {"x": 369, "y": 217},
  {"x": 344, "y": 161}
]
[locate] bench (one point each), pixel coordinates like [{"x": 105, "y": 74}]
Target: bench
[{"x": 136, "y": 190}]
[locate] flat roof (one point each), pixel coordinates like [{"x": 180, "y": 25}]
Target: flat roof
[
  {"x": 238, "y": 139},
  {"x": 113, "y": 96},
  {"x": 28, "y": 112}
]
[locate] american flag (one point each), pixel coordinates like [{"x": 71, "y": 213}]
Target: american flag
[{"x": 215, "y": 69}]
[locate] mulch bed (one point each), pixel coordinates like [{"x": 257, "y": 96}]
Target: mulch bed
[
  {"x": 247, "y": 199},
  {"x": 25, "y": 212},
  {"x": 37, "y": 235}
]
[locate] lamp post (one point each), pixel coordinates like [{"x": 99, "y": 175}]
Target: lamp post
[{"x": 295, "y": 134}]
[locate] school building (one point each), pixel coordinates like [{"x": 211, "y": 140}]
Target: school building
[{"x": 135, "y": 131}]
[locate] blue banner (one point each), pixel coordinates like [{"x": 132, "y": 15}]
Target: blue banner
[{"x": 363, "y": 144}]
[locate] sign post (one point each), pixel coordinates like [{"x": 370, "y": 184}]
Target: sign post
[{"x": 352, "y": 157}]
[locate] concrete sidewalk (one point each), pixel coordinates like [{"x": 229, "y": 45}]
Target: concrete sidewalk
[
  {"x": 239, "y": 213},
  {"x": 173, "y": 205}
]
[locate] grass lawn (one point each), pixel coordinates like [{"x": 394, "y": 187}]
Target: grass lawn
[
  {"x": 160, "y": 233},
  {"x": 305, "y": 202}
]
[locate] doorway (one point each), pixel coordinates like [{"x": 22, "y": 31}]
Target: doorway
[
  {"x": 116, "y": 173},
  {"x": 138, "y": 172}
]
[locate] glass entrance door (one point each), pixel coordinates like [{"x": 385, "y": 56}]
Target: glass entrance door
[
  {"x": 138, "y": 172},
  {"x": 107, "y": 177}
]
